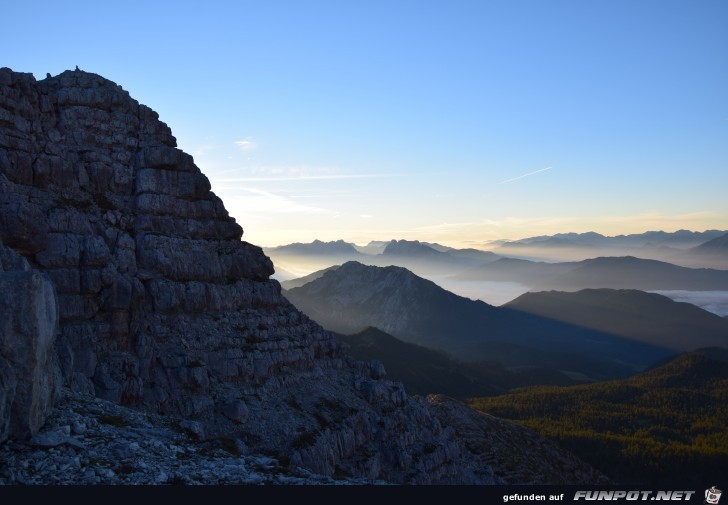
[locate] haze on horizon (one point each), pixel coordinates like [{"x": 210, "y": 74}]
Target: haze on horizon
[{"x": 458, "y": 123}]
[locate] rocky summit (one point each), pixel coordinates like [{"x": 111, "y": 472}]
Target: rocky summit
[{"x": 124, "y": 279}]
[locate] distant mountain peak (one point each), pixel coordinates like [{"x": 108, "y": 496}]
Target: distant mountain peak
[
  {"x": 416, "y": 310},
  {"x": 317, "y": 247},
  {"x": 716, "y": 245},
  {"x": 410, "y": 247}
]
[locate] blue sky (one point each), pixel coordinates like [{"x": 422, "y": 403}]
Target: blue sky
[{"x": 459, "y": 122}]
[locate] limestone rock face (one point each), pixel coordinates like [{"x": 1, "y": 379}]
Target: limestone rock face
[
  {"x": 161, "y": 306},
  {"x": 517, "y": 453},
  {"x": 8, "y": 384},
  {"x": 29, "y": 382}
]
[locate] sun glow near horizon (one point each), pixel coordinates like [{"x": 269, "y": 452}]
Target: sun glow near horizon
[
  {"x": 478, "y": 235},
  {"x": 459, "y": 124}
]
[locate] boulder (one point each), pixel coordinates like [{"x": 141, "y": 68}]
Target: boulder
[{"x": 29, "y": 373}]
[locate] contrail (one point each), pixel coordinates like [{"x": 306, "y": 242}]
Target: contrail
[
  {"x": 525, "y": 175},
  {"x": 303, "y": 177}
]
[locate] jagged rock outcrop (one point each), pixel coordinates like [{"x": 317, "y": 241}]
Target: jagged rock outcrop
[
  {"x": 29, "y": 379},
  {"x": 163, "y": 307},
  {"x": 518, "y": 454},
  {"x": 87, "y": 440}
]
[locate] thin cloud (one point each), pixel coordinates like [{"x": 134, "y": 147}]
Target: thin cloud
[
  {"x": 525, "y": 175},
  {"x": 294, "y": 173},
  {"x": 304, "y": 177},
  {"x": 252, "y": 201},
  {"x": 247, "y": 144},
  {"x": 203, "y": 149}
]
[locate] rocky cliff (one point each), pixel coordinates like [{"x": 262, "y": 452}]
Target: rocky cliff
[
  {"x": 162, "y": 307},
  {"x": 29, "y": 381}
]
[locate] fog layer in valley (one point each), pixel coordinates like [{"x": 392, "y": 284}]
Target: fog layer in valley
[
  {"x": 673, "y": 264},
  {"x": 712, "y": 301}
]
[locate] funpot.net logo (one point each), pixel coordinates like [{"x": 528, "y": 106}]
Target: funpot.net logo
[
  {"x": 712, "y": 495},
  {"x": 634, "y": 495}
]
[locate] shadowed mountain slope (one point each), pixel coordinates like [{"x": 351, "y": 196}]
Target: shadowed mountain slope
[
  {"x": 424, "y": 371},
  {"x": 647, "y": 317},
  {"x": 354, "y": 296}
]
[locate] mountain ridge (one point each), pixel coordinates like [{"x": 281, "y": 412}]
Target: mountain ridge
[
  {"x": 683, "y": 237},
  {"x": 616, "y": 272},
  {"x": 427, "y": 371},
  {"x": 316, "y": 247},
  {"x": 634, "y": 314},
  {"x": 416, "y": 310}
]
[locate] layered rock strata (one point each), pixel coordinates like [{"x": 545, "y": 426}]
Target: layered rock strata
[
  {"x": 162, "y": 306},
  {"x": 29, "y": 374}
]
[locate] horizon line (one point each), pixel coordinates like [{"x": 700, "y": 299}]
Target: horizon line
[{"x": 499, "y": 239}]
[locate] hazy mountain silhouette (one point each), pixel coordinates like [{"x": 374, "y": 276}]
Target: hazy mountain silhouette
[
  {"x": 300, "y": 281},
  {"x": 417, "y": 249},
  {"x": 411, "y": 248},
  {"x": 659, "y": 245},
  {"x": 474, "y": 254},
  {"x": 295, "y": 260},
  {"x": 553, "y": 242},
  {"x": 430, "y": 259},
  {"x": 647, "y": 317},
  {"x": 664, "y": 424},
  {"x": 713, "y": 252},
  {"x": 718, "y": 244},
  {"x": 680, "y": 239},
  {"x": 338, "y": 247},
  {"x": 424, "y": 371},
  {"x": 355, "y": 296},
  {"x": 635, "y": 273},
  {"x": 435, "y": 261},
  {"x": 373, "y": 247},
  {"x": 427, "y": 259},
  {"x": 625, "y": 272},
  {"x": 527, "y": 272}
]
